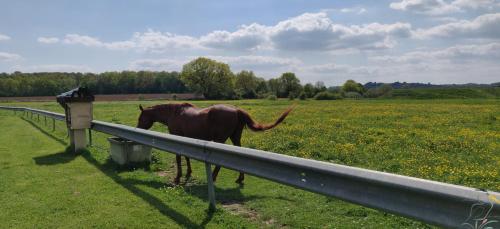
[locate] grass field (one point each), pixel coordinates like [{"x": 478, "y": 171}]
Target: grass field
[
  {"x": 448, "y": 93},
  {"x": 453, "y": 141}
]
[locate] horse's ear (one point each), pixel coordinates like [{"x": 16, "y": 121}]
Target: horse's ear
[{"x": 140, "y": 108}]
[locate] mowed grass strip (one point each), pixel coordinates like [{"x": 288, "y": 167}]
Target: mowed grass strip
[{"x": 43, "y": 185}]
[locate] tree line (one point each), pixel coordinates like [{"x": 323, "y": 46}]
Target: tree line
[
  {"x": 212, "y": 79},
  {"x": 125, "y": 82},
  {"x": 215, "y": 81}
]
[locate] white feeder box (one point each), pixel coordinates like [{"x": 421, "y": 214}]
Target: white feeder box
[
  {"x": 77, "y": 104},
  {"x": 81, "y": 115},
  {"x": 124, "y": 151}
]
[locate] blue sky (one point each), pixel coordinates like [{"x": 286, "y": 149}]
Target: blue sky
[{"x": 437, "y": 41}]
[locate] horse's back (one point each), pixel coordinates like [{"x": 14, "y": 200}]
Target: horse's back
[{"x": 221, "y": 114}]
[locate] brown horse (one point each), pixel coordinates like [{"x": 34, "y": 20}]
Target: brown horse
[{"x": 216, "y": 123}]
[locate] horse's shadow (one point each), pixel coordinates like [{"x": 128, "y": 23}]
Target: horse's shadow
[
  {"x": 200, "y": 190},
  {"x": 110, "y": 168}
]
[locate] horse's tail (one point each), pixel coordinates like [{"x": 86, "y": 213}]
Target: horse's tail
[{"x": 246, "y": 119}]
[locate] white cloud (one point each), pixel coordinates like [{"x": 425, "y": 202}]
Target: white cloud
[
  {"x": 489, "y": 51},
  {"x": 150, "y": 40},
  {"x": 476, "y": 4},
  {"x": 245, "y": 38},
  {"x": 155, "y": 41},
  {"x": 307, "y": 32},
  {"x": 316, "y": 32},
  {"x": 53, "y": 68},
  {"x": 157, "y": 65},
  {"x": 433, "y": 7},
  {"x": 237, "y": 63},
  {"x": 259, "y": 64},
  {"x": 4, "y": 56},
  {"x": 4, "y": 37},
  {"x": 95, "y": 42},
  {"x": 333, "y": 68},
  {"x": 48, "y": 40},
  {"x": 484, "y": 26},
  {"x": 439, "y": 7},
  {"x": 83, "y": 40},
  {"x": 356, "y": 10}
]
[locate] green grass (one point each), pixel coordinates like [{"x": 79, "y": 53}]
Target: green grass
[
  {"x": 448, "y": 93},
  {"x": 453, "y": 141},
  {"x": 43, "y": 185}
]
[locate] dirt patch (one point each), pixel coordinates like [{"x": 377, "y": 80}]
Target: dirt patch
[{"x": 240, "y": 210}]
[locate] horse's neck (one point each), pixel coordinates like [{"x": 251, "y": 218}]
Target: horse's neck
[
  {"x": 167, "y": 112},
  {"x": 162, "y": 114}
]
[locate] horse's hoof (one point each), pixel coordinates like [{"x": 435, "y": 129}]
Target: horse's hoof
[
  {"x": 188, "y": 176},
  {"x": 240, "y": 182},
  {"x": 177, "y": 181}
]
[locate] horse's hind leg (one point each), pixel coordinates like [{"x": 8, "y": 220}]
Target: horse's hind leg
[
  {"x": 179, "y": 169},
  {"x": 236, "y": 139},
  {"x": 217, "y": 168},
  {"x": 188, "y": 171}
]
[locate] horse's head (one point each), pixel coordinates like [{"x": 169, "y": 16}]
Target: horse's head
[{"x": 146, "y": 119}]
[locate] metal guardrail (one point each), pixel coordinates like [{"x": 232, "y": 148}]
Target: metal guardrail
[
  {"x": 433, "y": 202},
  {"x": 49, "y": 114}
]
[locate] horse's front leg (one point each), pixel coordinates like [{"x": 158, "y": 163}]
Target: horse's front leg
[
  {"x": 188, "y": 172},
  {"x": 240, "y": 178},
  {"x": 179, "y": 169},
  {"x": 215, "y": 173}
]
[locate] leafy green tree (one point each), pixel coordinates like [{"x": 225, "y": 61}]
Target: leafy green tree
[
  {"x": 262, "y": 88},
  {"x": 302, "y": 96},
  {"x": 211, "y": 78},
  {"x": 289, "y": 85},
  {"x": 353, "y": 86},
  {"x": 169, "y": 82},
  {"x": 319, "y": 86},
  {"x": 309, "y": 90},
  {"x": 325, "y": 95},
  {"x": 246, "y": 84},
  {"x": 274, "y": 86}
]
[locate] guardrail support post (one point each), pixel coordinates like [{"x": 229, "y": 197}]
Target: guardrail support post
[
  {"x": 210, "y": 184},
  {"x": 53, "y": 124},
  {"x": 45, "y": 120}
]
